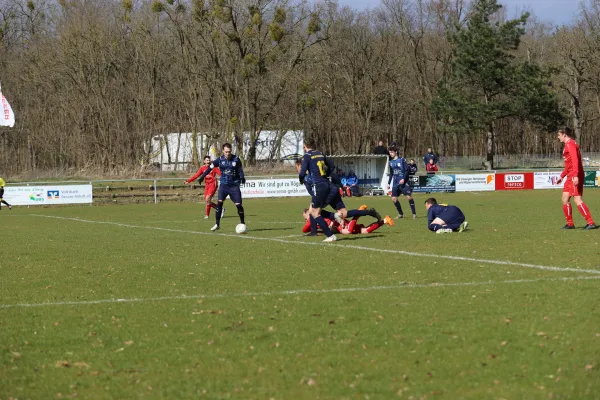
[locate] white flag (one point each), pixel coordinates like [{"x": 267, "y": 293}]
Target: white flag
[{"x": 7, "y": 118}]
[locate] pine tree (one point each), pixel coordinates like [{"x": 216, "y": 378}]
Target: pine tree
[{"x": 488, "y": 83}]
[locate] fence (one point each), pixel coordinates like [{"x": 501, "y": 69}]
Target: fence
[{"x": 514, "y": 161}]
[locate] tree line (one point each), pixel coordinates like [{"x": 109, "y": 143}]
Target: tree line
[{"x": 92, "y": 82}]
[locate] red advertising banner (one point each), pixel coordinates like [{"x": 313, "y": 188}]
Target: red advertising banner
[{"x": 514, "y": 181}]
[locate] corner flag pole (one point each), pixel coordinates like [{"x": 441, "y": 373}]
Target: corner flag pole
[{"x": 7, "y": 117}]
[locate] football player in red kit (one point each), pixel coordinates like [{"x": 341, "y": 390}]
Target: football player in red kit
[
  {"x": 575, "y": 176},
  {"x": 211, "y": 185},
  {"x": 347, "y": 227}
]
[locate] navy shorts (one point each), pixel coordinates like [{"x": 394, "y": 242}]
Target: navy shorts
[
  {"x": 453, "y": 217},
  {"x": 320, "y": 194},
  {"x": 233, "y": 191},
  {"x": 404, "y": 189},
  {"x": 334, "y": 199}
]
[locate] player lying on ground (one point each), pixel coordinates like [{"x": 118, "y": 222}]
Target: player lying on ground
[
  {"x": 443, "y": 218},
  {"x": 346, "y": 227}
]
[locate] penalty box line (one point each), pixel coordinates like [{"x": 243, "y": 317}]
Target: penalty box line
[
  {"x": 346, "y": 246},
  {"x": 296, "y": 292}
]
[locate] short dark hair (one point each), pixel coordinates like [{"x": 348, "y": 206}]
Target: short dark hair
[
  {"x": 310, "y": 143},
  {"x": 567, "y": 131},
  {"x": 431, "y": 201},
  {"x": 205, "y": 157},
  {"x": 226, "y": 144},
  {"x": 305, "y": 210},
  {"x": 298, "y": 161},
  {"x": 394, "y": 149}
]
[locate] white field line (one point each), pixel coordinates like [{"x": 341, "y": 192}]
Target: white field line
[
  {"x": 346, "y": 246},
  {"x": 298, "y": 291},
  {"x": 212, "y": 220}
]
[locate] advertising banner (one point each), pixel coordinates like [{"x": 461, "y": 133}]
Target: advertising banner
[
  {"x": 590, "y": 179},
  {"x": 273, "y": 188},
  {"x": 514, "y": 181},
  {"x": 546, "y": 180},
  {"x": 48, "y": 195},
  {"x": 475, "y": 182},
  {"x": 433, "y": 183}
]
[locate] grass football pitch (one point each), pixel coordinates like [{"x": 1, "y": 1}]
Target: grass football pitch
[{"x": 142, "y": 301}]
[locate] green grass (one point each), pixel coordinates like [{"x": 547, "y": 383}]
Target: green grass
[{"x": 293, "y": 318}]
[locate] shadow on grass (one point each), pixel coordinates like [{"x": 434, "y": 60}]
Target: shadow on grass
[
  {"x": 344, "y": 238},
  {"x": 270, "y": 229}
]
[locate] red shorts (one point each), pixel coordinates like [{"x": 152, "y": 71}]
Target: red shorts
[
  {"x": 209, "y": 190},
  {"x": 357, "y": 229},
  {"x": 571, "y": 189}
]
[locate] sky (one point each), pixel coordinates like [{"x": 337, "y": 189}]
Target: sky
[{"x": 557, "y": 12}]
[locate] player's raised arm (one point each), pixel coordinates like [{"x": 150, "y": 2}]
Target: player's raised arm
[
  {"x": 211, "y": 166},
  {"x": 196, "y": 175}
]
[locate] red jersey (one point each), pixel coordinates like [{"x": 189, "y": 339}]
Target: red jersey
[
  {"x": 210, "y": 179},
  {"x": 431, "y": 168},
  {"x": 573, "y": 163}
]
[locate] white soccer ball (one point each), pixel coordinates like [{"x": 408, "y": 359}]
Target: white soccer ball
[{"x": 241, "y": 228}]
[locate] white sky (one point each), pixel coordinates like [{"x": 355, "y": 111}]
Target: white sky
[{"x": 555, "y": 11}]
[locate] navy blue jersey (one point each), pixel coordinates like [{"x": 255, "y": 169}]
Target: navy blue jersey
[
  {"x": 317, "y": 165},
  {"x": 447, "y": 213},
  {"x": 232, "y": 172},
  {"x": 399, "y": 170},
  {"x": 412, "y": 169}
]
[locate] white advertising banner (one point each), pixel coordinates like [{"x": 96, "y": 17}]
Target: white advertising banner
[
  {"x": 48, "y": 195},
  {"x": 475, "y": 182},
  {"x": 546, "y": 180},
  {"x": 273, "y": 188}
]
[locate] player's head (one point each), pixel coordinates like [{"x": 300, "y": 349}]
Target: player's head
[
  {"x": 429, "y": 202},
  {"x": 380, "y": 143},
  {"x": 394, "y": 151},
  {"x": 309, "y": 144},
  {"x": 431, "y": 161},
  {"x": 412, "y": 161},
  {"x": 305, "y": 214},
  {"x": 429, "y": 150},
  {"x": 226, "y": 149},
  {"x": 565, "y": 134},
  {"x": 206, "y": 160},
  {"x": 298, "y": 164}
]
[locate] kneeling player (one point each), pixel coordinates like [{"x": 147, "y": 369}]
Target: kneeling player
[{"x": 443, "y": 218}]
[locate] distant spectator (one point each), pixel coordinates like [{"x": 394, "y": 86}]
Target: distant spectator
[
  {"x": 351, "y": 186},
  {"x": 341, "y": 181},
  {"x": 380, "y": 148},
  {"x": 430, "y": 156},
  {"x": 412, "y": 167},
  {"x": 431, "y": 167}
]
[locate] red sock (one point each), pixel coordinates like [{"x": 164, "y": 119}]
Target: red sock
[
  {"x": 208, "y": 206},
  {"x": 213, "y": 205},
  {"x": 374, "y": 226},
  {"x": 585, "y": 211},
  {"x": 568, "y": 211}
]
